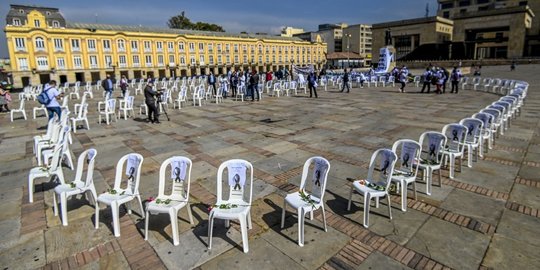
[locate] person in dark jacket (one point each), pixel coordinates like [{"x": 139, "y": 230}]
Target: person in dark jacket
[
  {"x": 254, "y": 83},
  {"x": 345, "y": 81},
  {"x": 150, "y": 100},
  {"x": 107, "y": 85},
  {"x": 212, "y": 82},
  {"x": 312, "y": 82}
]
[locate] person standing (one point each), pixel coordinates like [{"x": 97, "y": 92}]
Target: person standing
[
  {"x": 150, "y": 100},
  {"x": 269, "y": 76},
  {"x": 345, "y": 81},
  {"x": 254, "y": 82},
  {"x": 439, "y": 77},
  {"x": 446, "y": 77},
  {"x": 53, "y": 94},
  {"x": 362, "y": 79},
  {"x": 107, "y": 85},
  {"x": 427, "y": 80},
  {"x": 212, "y": 82},
  {"x": 234, "y": 83},
  {"x": 455, "y": 76},
  {"x": 312, "y": 84},
  {"x": 4, "y": 99},
  {"x": 403, "y": 77},
  {"x": 123, "y": 85},
  {"x": 513, "y": 66}
]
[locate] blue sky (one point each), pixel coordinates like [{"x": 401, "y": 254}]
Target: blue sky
[{"x": 234, "y": 15}]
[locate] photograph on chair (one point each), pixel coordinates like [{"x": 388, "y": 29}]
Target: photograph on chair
[
  {"x": 178, "y": 170},
  {"x": 131, "y": 168},
  {"x": 408, "y": 152},
  {"x": 237, "y": 175}
]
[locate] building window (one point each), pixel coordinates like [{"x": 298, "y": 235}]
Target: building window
[
  {"x": 37, "y": 23},
  {"x": 42, "y": 63},
  {"x": 201, "y": 47},
  {"x": 134, "y": 46},
  {"x": 136, "y": 61},
  {"x": 17, "y": 22},
  {"x": 523, "y": 3},
  {"x": 192, "y": 60},
  {"x": 20, "y": 44},
  {"x": 122, "y": 61},
  {"x": 246, "y": 59},
  {"x": 147, "y": 46},
  {"x": 121, "y": 45},
  {"x": 219, "y": 48},
  {"x": 56, "y": 24},
  {"x": 210, "y": 59},
  {"x": 483, "y": 8},
  {"x": 21, "y": 11},
  {"x": 159, "y": 46},
  {"x": 58, "y": 44},
  {"x": 171, "y": 60},
  {"x": 160, "y": 61},
  {"x": 210, "y": 48},
  {"x": 182, "y": 60},
  {"x": 201, "y": 59},
  {"x": 227, "y": 48},
  {"x": 40, "y": 44},
  {"x": 260, "y": 59},
  {"x": 148, "y": 59},
  {"x": 446, "y": 14},
  {"x": 482, "y": 1},
  {"x": 23, "y": 63},
  {"x": 91, "y": 43},
  {"x": 219, "y": 60},
  {"x": 464, "y": 3},
  {"x": 227, "y": 59},
  {"x": 170, "y": 46},
  {"x": 108, "y": 61},
  {"x": 236, "y": 58},
  {"x": 60, "y": 63},
  {"x": 75, "y": 45},
  {"x": 77, "y": 62},
  {"x": 235, "y": 48},
  {"x": 181, "y": 46},
  {"x": 447, "y": 5},
  {"x": 191, "y": 47},
  {"x": 93, "y": 61},
  {"x": 106, "y": 45}
]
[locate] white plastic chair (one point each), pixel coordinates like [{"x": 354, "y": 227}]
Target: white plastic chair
[
  {"x": 110, "y": 110},
  {"x": 376, "y": 184},
  {"x": 433, "y": 143},
  {"x": 77, "y": 107},
  {"x": 240, "y": 92},
  {"x": 35, "y": 110},
  {"x": 177, "y": 198},
  {"x": 119, "y": 195},
  {"x": 55, "y": 169},
  {"x": 472, "y": 142},
  {"x": 52, "y": 124},
  {"x": 78, "y": 186},
  {"x": 456, "y": 135},
  {"x": 304, "y": 201},
  {"x": 238, "y": 204},
  {"x": 182, "y": 98},
  {"x": 496, "y": 123},
  {"x": 126, "y": 107},
  {"x": 66, "y": 153},
  {"x": 277, "y": 89},
  {"x": 408, "y": 152},
  {"x": 219, "y": 93},
  {"x": 82, "y": 115},
  {"x": 19, "y": 110},
  {"x": 198, "y": 95},
  {"x": 487, "y": 131},
  {"x": 56, "y": 138}
]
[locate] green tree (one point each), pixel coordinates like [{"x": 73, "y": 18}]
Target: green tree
[{"x": 183, "y": 22}]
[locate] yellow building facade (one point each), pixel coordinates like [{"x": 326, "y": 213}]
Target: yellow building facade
[{"x": 42, "y": 48}]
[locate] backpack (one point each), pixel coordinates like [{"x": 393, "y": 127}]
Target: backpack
[{"x": 43, "y": 98}]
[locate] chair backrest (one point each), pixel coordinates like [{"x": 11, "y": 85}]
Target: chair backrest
[
  {"x": 408, "y": 153},
  {"x": 179, "y": 175},
  {"x": 133, "y": 163},
  {"x": 487, "y": 119},
  {"x": 59, "y": 147},
  {"x": 381, "y": 167},
  {"x": 433, "y": 144},
  {"x": 474, "y": 129},
  {"x": 495, "y": 113},
  {"x": 319, "y": 176},
  {"x": 456, "y": 135},
  {"x": 129, "y": 102},
  {"x": 88, "y": 157},
  {"x": 21, "y": 105},
  {"x": 238, "y": 178},
  {"x": 111, "y": 105},
  {"x": 507, "y": 106}
]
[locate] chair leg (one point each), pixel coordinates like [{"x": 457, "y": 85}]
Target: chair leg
[
  {"x": 174, "y": 226},
  {"x": 140, "y": 204},
  {"x": 63, "y": 205},
  {"x": 96, "y": 216},
  {"x": 403, "y": 185},
  {"x": 301, "y": 217},
  {"x": 115, "y": 208},
  {"x": 250, "y": 226},
  {"x": 30, "y": 188},
  {"x": 188, "y": 206},
  {"x": 210, "y": 229},
  {"x": 55, "y": 204},
  {"x": 324, "y": 217},
  {"x": 243, "y": 228},
  {"x": 350, "y": 199},
  {"x": 452, "y": 166},
  {"x": 414, "y": 188},
  {"x": 146, "y": 220},
  {"x": 283, "y": 214},
  {"x": 429, "y": 172},
  {"x": 469, "y": 155},
  {"x": 367, "y": 202},
  {"x": 389, "y": 206}
]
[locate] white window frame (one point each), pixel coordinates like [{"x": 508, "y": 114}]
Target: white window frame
[
  {"x": 192, "y": 60},
  {"x": 136, "y": 47},
  {"x": 201, "y": 47},
  {"x": 181, "y": 46},
  {"x": 20, "y": 44},
  {"x": 106, "y": 45},
  {"x": 108, "y": 61},
  {"x": 160, "y": 60},
  {"x": 147, "y": 46},
  {"x": 121, "y": 45},
  {"x": 122, "y": 61},
  {"x": 16, "y": 22},
  {"x": 191, "y": 47},
  {"x": 93, "y": 61},
  {"x": 148, "y": 60},
  {"x": 37, "y": 23},
  {"x": 22, "y": 63},
  {"x": 58, "y": 44},
  {"x": 42, "y": 63},
  {"x": 40, "y": 44},
  {"x": 136, "y": 61},
  {"x": 159, "y": 46},
  {"x": 60, "y": 63},
  {"x": 170, "y": 46},
  {"x": 78, "y": 42},
  {"x": 171, "y": 59},
  {"x": 77, "y": 61},
  {"x": 182, "y": 60},
  {"x": 91, "y": 45},
  {"x": 202, "y": 61}
]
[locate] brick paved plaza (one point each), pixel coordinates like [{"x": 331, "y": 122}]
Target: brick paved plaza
[{"x": 487, "y": 217}]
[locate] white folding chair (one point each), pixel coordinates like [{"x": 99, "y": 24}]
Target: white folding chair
[
  {"x": 176, "y": 198},
  {"x": 238, "y": 204},
  {"x": 19, "y": 110},
  {"x": 486, "y": 133},
  {"x": 126, "y": 107},
  {"x": 119, "y": 195},
  {"x": 456, "y": 135},
  {"x": 305, "y": 201},
  {"x": 376, "y": 184},
  {"x": 408, "y": 153},
  {"x": 55, "y": 169},
  {"x": 472, "y": 141},
  {"x": 82, "y": 115},
  {"x": 182, "y": 98},
  {"x": 78, "y": 186},
  {"x": 35, "y": 110},
  {"x": 110, "y": 111}
]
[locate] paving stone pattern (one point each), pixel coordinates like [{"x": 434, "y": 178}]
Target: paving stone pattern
[{"x": 485, "y": 218}]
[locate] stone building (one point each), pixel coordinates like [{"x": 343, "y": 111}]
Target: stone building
[{"x": 43, "y": 46}]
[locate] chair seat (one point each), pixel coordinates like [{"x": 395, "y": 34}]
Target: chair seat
[
  {"x": 295, "y": 201},
  {"x": 455, "y": 153},
  {"x": 66, "y": 188},
  {"x": 176, "y": 203},
  {"x": 365, "y": 189},
  {"x": 40, "y": 172},
  {"x": 231, "y": 213},
  {"x": 403, "y": 176},
  {"x": 108, "y": 198}
]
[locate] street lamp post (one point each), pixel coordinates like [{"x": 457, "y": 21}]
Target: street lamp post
[{"x": 348, "y": 49}]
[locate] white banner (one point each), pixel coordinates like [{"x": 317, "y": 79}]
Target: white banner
[{"x": 385, "y": 59}]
